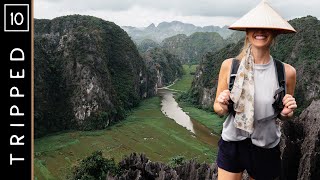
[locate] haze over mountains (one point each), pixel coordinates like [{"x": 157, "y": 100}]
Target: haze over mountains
[{"x": 168, "y": 29}]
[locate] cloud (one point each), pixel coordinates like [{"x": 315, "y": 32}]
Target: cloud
[{"x": 143, "y": 12}]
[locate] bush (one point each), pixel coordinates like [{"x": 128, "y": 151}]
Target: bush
[
  {"x": 177, "y": 161},
  {"x": 95, "y": 167}
]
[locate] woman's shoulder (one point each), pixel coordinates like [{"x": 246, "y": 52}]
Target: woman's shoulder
[
  {"x": 226, "y": 64},
  {"x": 290, "y": 70}
]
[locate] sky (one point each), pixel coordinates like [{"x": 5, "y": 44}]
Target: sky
[{"x": 141, "y": 13}]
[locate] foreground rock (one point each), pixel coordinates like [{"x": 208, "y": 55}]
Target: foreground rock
[
  {"x": 301, "y": 146},
  {"x": 139, "y": 167}
]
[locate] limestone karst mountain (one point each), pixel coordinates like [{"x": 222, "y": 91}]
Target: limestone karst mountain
[{"x": 88, "y": 73}]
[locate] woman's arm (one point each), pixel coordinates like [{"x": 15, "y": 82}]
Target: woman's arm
[
  {"x": 220, "y": 105},
  {"x": 290, "y": 78},
  {"x": 289, "y": 101}
]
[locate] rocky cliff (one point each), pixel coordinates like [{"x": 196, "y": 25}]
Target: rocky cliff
[
  {"x": 147, "y": 44},
  {"x": 300, "y": 145},
  {"x": 88, "y": 72},
  {"x": 205, "y": 81},
  {"x": 190, "y": 49},
  {"x": 163, "y": 68}
]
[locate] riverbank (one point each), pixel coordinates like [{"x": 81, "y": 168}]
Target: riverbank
[
  {"x": 145, "y": 130},
  {"x": 208, "y": 119},
  {"x": 184, "y": 83}
]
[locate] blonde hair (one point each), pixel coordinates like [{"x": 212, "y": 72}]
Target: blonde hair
[
  {"x": 244, "y": 48},
  {"x": 247, "y": 43}
]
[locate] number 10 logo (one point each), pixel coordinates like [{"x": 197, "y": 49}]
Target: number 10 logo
[{"x": 16, "y": 18}]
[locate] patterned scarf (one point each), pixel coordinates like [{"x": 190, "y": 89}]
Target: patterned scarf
[{"x": 242, "y": 94}]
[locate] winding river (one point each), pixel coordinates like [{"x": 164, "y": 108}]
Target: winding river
[{"x": 171, "y": 109}]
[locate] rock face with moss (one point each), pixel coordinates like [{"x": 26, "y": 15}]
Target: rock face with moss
[
  {"x": 163, "y": 68},
  {"x": 88, "y": 72},
  {"x": 147, "y": 44},
  {"x": 300, "y": 145},
  {"x": 190, "y": 49}
]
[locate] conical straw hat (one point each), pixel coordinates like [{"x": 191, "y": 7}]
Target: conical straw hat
[{"x": 263, "y": 16}]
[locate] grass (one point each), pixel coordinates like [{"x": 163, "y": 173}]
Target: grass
[
  {"x": 208, "y": 119},
  {"x": 146, "y": 130},
  {"x": 185, "y": 82}
]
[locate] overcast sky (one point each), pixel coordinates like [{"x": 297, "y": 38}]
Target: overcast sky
[{"x": 141, "y": 13}]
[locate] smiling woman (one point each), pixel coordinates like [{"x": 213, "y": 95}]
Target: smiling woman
[{"x": 251, "y": 133}]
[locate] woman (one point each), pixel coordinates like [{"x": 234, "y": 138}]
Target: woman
[{"x": 247, "y": 143}]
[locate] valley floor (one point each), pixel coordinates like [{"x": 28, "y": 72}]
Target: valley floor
[{"x": 146, "y": 130}]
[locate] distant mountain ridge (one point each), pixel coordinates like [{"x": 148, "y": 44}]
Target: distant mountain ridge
[
  {"x": 168, "y": 29},
  {"x": 190, "y": 49}
]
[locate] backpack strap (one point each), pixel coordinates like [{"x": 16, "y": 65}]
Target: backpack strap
[
  {"x": 278, "y": 95},
  {"x": 233, "y": 73},
  {"x": 281, "y": 74}
]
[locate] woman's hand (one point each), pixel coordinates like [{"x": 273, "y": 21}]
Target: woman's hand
[
  {"x": 290, "y": 105},
  {"x": 220, "y": 104},
  {"x": 223, "y": 99}
]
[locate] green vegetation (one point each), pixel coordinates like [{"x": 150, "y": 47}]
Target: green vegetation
[
  {"x": 206, "y": 117},
  {"x": 185, "y": 82},
  {"x": 88, "y": 74},
  {"x": 146, "y": 130},
  {"x": 302, "y": 51},
  {"x": 146, "y": 45},
  {"x": 95, "y": 167},
  {"x": 163, "y": 64},
  {"x": 177, "y": 161},
  {"x": 209, "y": 119},
  {"x": 190, "y": 49}
]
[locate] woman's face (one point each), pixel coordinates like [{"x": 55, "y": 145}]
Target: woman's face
[{"x": 260, "y": 38}]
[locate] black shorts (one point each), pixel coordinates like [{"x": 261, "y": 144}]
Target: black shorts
[{"x": 260, "y": 163}]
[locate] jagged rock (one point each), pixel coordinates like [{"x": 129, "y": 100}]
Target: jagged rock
[
  {"x": 139, "y": 167},
  {"x": 300, "y": 145},
  {"x": 310, "y": 147}
]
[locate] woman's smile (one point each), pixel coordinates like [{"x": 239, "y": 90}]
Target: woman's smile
[{"x": 260, "y": 37}]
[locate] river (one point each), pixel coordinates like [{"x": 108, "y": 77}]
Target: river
[{"x": 171, "y": 109}]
